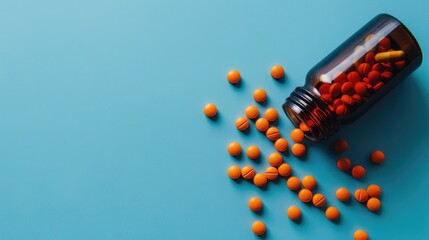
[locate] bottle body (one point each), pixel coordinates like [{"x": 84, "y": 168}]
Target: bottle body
[{"x": 346, "y": 83}]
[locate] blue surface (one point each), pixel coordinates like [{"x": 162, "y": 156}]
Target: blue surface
[{"x": 102, "y": 134}]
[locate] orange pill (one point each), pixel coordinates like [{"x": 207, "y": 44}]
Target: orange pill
[
  {"x": 242, "y": 124},
  {"x": 361, "y": 195},
  {"x": 342, "y": 194},
  {"x": 305, "y": 195},
  {"x": 341, "y": 146},
  {"x": 309, "y": 182},
  {"x": 344, "y": 164},
  {"x": 284, "y": 170},
  {"x": 255, "y": 204},
  {"x": 358, "y": 172},
  {"x": 252, "y": 112},
  {"x": 210, "y": 110},
  {"x": 304, "y": 127},
  {"x": 294, "y": 213},
  {"x": 233, "y": 76},
  {"x": 271, "y": 114},
  {"x": 373, "y": 204},
  {"x": 260, "y": 95},
  {"x": 271, "y": 173},
  {"x": 248, "y": 172},
  {"x": 234, "y": 172},
  {"x": 297, "y": 135},
  {"x": 277, "y": 72},
  {"x": 360, "y": 235},
  {"x": 258, "y": 228},
  {"x": 377, "y": 157},
  {"x": 298, "y": 149},
  {"x": 260, "y": 180},
  {"x": 262, "y": 124},
  {"x": 234, "y": 149},
  {"x": 275, "y": 159},
  {"x": 281, "y": 145},
  {"x": 332, "y": 213},
  {"x": 273, "y": 133},
  {"x": 293, "y": 183},
  {"x": 374, "y": 190},
  {"x": 253, "y": 152},
  {"x": 319, "y": 200}
]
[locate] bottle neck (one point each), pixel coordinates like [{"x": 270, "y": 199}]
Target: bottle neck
[{"x": 304, "y": 106}]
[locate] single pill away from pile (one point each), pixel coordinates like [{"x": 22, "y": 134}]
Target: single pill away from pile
[
  {"x": 253, "y": 152},
  {"x": 210, "y": 110},
  {"x": 309, "y": 182},
  {"x": 252, "y": 112},
  {"x": 284, "y": 170},
  {"x": 305, "y": 195},
  {"x": 255, "y": 204},
  {"x": 248, "y": 172},
  {"x": 234, "y": 149},
  {"x": 242, "y": 123},
  {"x": 275, "y": 159},
  {"x": 281, "y": 145},
  {"x": 361, "y": 195},
  {"x": 260, "y": 95},
  {"x": 233, "y": 76},
  {"x": 271, "y": 173},
  {"x": 234, "y": 172},
  {"x": 297, "y": 135},
  {"x": 342, "y": 194},
  {"x": 271, "y": 114},
  {"x": 258, "y": 228},
  {"x": 360, "y": 235},
  {"x": 277, "y": 72},
  {"x": 341, "y": 146},
  {"x": 260, "y": 180},
  {"x": 377, "y": 157},
  {"x": 298, "y": 149},
  {"x": 273, "y": 133},
  {"x": 344, "y": 164},
  {"x": 262, "y": 124},
  {"x": 374, "y": 190},
  {"x": 358, "y": 172},
  {"x": 332, "y": 213},
  {"x": 373, "y": 204},
  {"x": 293, "y": 183},
  {"x": 293, "y": 213}
]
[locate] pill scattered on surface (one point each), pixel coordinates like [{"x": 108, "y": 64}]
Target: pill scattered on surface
[
  {"x": 360, "y": 235},
  {"x": 373, "y": 204},
  {"x": 275, "y": 159},
  {"x": 277, "y": 72},
  {"x": 341, "y": 146},
  {"x": 374, "y": 190},
  {"x": 210, "y": 110},
  {"x": 281, "y": 145},
  {"x": 252, "y": 112},
  {"x": 293, "y": 213},
  {"x": 253, "y": 152},
  {"x": 271, "y": 173},
  {"x": 297, "y": 135},
  {"x": 271, "y": 114},
  {"x": 298, "y": 149},
  {"x": 344, "y": 164},
  {"x": 305, "y": 195},
  {"x": 260, "y": 95},
  {"x": 255, "y": 204},
  {"x": 234, "y": 149},
  {"x": 273, "y": 133},
  {"x": 361, "y": 195},
  {"x": 332, "y": 213},
  {"x": 358, "y": 172},
  {"x": 284, "y": 170},
  {"x": 247, "y": 172},
  {"x": 262, "y": 124},
  {"x": 234, "y": 172},
  {"x": 377, "y": 157},
  {"x": 242, "y": 123},
  {"x": 258, "y": 228},
  {"x": 309, "y": 182},
  {"x": 260, "y": 180},
  {"x": 342, "y": 194},
  {"x": 293, "y": 183},
  {"x": 233, "y": 76},
  {"x": 319, "y": 200}
]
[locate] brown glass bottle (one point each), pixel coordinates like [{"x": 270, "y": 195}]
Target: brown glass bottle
[{"x": 346, "y": 83}]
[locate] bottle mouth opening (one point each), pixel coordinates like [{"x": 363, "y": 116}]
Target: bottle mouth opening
[{"x": 297, "y": 121}]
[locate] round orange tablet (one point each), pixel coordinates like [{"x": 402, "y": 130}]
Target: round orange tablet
[
  {"x": 275, "y": 159},
  {"x": 253, "y": 152},
  {"x": 294, "y": 213},
  {"x": 234, "y": 172},
  {"x": 234, "y": 149},
  {"x": 271, "y": 173},
  {"x": 262, "y": 124},
  {"x": 273, "y": 133},
  {"x": 374, "y": 190},
  {"x": 373, "y": 204},
  {"x": 293, "y": 183},
  {"x": 341, "y": 146},
  {"x": 248, "y": 172},
  {"x": 344, "y": 164},
  {"x": 233, "y": 76},
  {"x": 242, "y": 123},
  {"x": 210, "y": 110},
  {"x": 305, "y": 195},
  {"x": 309, "y": 182},
  {"x": 277, "y": 72},
  {"x": 271, "y": 114},
  {"x": 304, "y": 127},
  {"x": 284, "y": 170},
  {"x": 260, "y": 95},
  {"x": 360, "y": 235},
  {"x": 281, "y": 145},
  {"x": 358, "y": 172},
  {"x": 297, "y": 135},
  {"x": 332, "y": 213},
  {"x": 377, "y": 157},
  {"x": 255, "y": 204},
  {"x": 260, "y": 180},
  {"x": 319, "y": 200},
  {"x": 258, "y": 228},
  {"x": 342, "y": 194},
  {"x": 361, "y": 195},
  {"x": 252, "y": 112},
  {"x": 298, "y": 149}
]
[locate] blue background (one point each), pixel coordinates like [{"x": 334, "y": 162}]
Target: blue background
[{"x": 102, "y": 134}]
